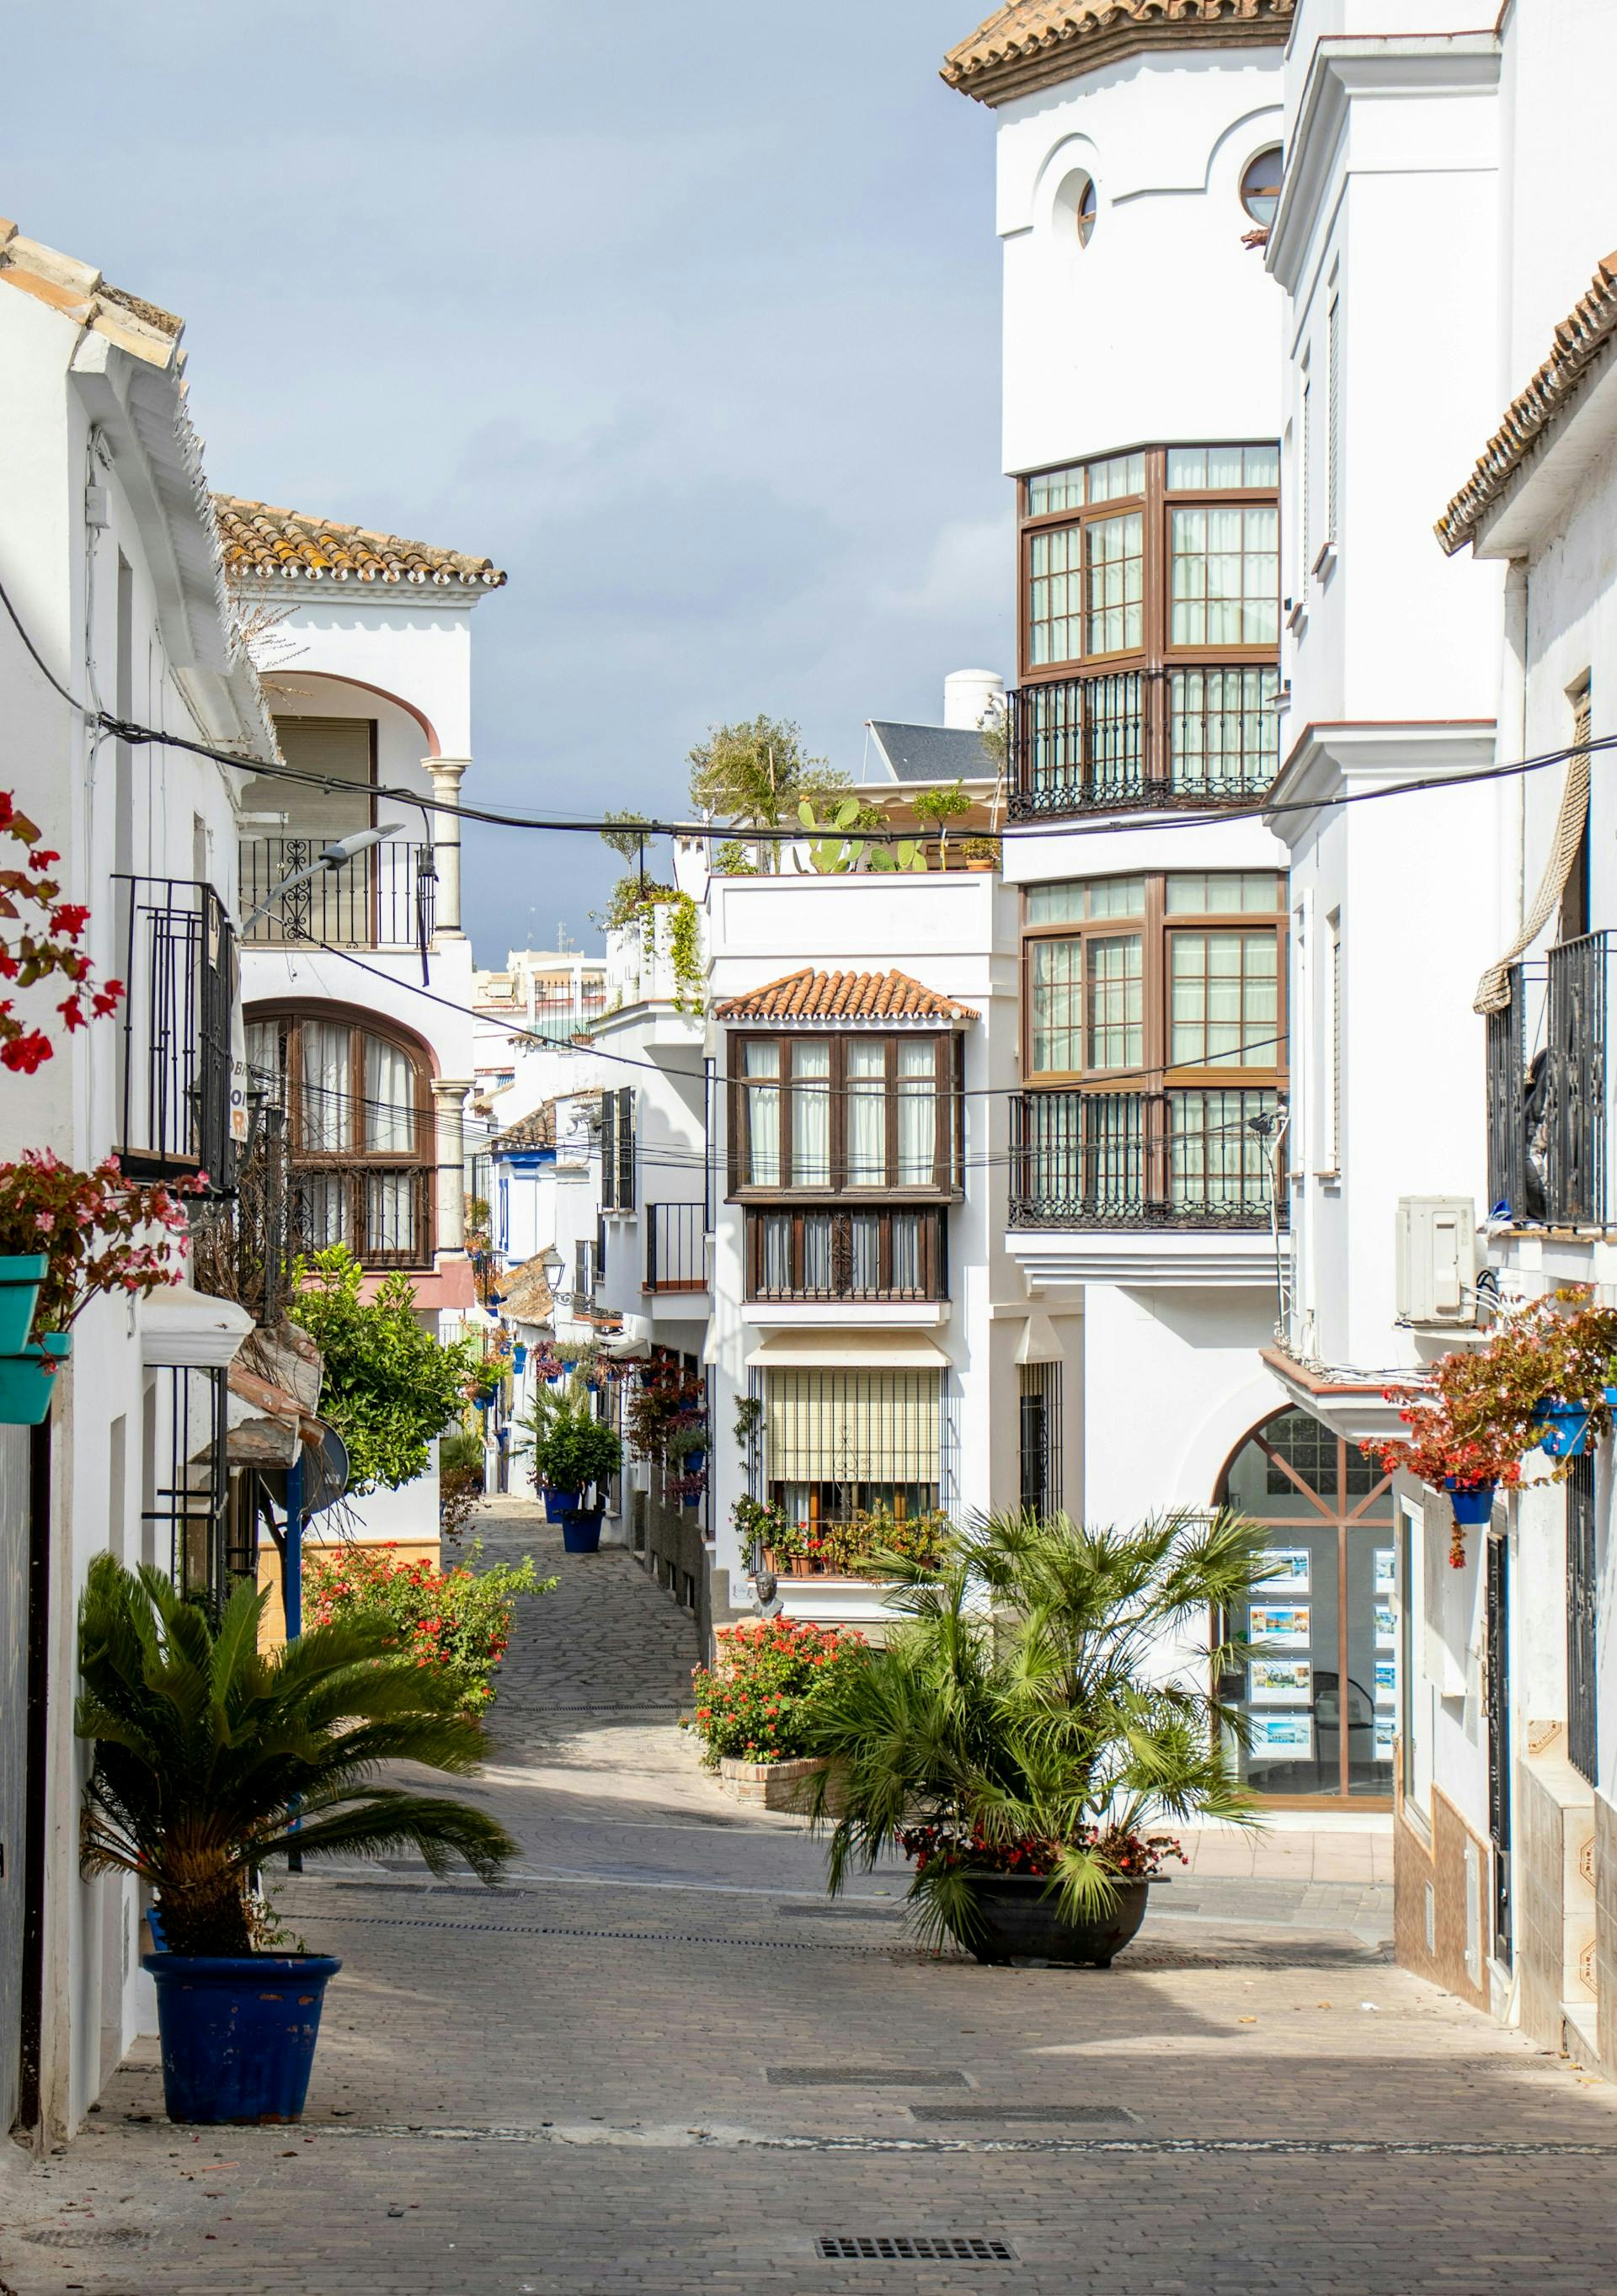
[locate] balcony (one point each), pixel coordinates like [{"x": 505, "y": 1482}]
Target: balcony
[
  {"x": 676, "y": 1251},
  {"x": 1196, "y": 1157},
  {"x": 1549, "y": 1124},
  {"x": 853, "y": 1258},
  {"x": 1196, "y": 736},
  {"x": 381, "y": 1209},
  {"x": 175, "y": 1057},
  {"x": 383, "y": 899}
]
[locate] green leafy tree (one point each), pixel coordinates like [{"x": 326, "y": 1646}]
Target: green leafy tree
[
  {"x": 389, "y": 1387},
  {"x": 755, "y": 773},
  {"x": 207, "y": 1748},
  {"x": 1016, "y": 1712}
]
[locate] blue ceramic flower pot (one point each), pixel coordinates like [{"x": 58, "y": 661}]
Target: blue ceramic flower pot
[
  {"x": 21, "y": 1276},
  {"x": 581, "y": 1530},
  {"x": 1473, "y": 1507},
  {"x": 559, "y": 1505},
  {"x": 238, "y": 2031},
  {"x": 1565, "y": 1427},
  {"x": 28, "y": 1382}
]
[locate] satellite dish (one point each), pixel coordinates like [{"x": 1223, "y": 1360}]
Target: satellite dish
[{"x": 326, "y": 1472}]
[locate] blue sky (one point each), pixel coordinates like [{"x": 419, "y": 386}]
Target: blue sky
[{"x": 685, "y": 311}]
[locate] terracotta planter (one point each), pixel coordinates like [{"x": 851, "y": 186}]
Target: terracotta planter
[
  {"x": 770, "y": 1786},
  {"x": 1021, "y": 1922}
]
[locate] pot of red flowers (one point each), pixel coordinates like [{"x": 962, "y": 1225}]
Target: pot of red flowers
[
  {"x": 1482, "y": 1410},
  {"x": 1009, "y": 1883},
  {"x": 86, "y": 1233},
  {"x": 753, "y": 1704}
]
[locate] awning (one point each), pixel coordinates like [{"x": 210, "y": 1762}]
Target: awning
[
  {"x": 868, "y": 1350},
  {"x": 191, "y": 1330}
]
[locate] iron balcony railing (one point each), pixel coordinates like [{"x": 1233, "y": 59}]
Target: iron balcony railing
[
  {"x": 1199, "y": 1157},
  {"x": 178, "y": 966},
  {"x": 865, "y": 1255},
  {"x": 381, "y": 1211},
  {"x": 1202, "y": 735},
  {"x": 383, "y": 899},
  {"x": 675, "y": 1254},
  {"x": 1548, "y": 1104}
]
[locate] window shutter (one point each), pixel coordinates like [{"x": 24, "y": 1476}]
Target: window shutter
[
  {"x": 609, "y": 1151},
  {"x": 626, "y": 1149},
  {"x": 834, "y": 1426}
]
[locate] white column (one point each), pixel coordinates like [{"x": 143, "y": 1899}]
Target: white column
[
  {"x": 446, "y": 773},
  {"x": 451, "y": 1094}
]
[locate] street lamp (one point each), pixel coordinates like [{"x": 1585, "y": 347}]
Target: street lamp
[
  {"x": 555, "y": 1267},
  {"x": 335, "y": 856}
]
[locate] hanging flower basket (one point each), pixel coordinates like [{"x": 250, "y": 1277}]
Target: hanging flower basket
[
  {"x": 1472, "y": 1503},
  {"x": 22, "y": 1273},
  {"x": 1565, "y": 1427},
  {"x": 27, "y": 1380}
]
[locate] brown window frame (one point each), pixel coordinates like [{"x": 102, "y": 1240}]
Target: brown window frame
[
  {"x": 1154, "y": 927},
  {"x": 932, "y": 1256},
  {"x": 947, "y": 1133},
  {"x": 1156, "y": 503},
  {"x": 290, "y": 1015}
]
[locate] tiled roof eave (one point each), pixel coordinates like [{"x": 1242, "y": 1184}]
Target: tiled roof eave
[
  {"x": 1582, "y": 348},
  {"x": 1039, "y": 44},
  {"x": 810, "y": 999},
  {"x": 266, "y": 543}
]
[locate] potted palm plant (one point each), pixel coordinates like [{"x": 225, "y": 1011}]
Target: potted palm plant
[
  {"x": 1015, "y": 1739},
  {"x": 211, "y": 1760}
]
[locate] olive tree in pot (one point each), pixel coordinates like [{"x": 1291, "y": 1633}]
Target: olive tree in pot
[
  {"x": 1016, "y": 1737},
  {"x": 211, "y": 1760}
]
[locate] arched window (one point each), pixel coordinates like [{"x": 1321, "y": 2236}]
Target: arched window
[
  {"x": 1260, "y": 186},
  {"x": 1085, "y": 211},
  {"x": 1322, "y": 1700},
  {"x": 357, "y": 1104}
]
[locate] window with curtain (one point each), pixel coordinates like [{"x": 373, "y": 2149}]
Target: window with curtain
[
  {"x": 358, "y": 1130},
  {"x": 844, "y": 1112},
  {"x": 1114, "y": 574},
  {"x": 1225, "y": 575},
  {"x": 1225, "y": 999}
]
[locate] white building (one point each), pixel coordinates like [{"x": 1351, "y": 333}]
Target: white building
[
  {"x": 365, "y": 645},
  {"x": 109, "y": 559},
  {"x": 1138, "y": 159},
  {"x": 529, "y": 1012}
]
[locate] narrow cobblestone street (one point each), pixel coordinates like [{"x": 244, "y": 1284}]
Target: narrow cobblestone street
[{"x": 657, "y": 2061}]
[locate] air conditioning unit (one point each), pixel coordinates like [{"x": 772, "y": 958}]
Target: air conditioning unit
[{"x": 1437, "y": 1260}]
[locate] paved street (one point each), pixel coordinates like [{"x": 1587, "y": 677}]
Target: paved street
[{"x": 657, "y": 2062}]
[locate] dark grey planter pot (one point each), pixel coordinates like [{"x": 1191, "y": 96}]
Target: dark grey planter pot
[{"x": 1021, "y": 1921}]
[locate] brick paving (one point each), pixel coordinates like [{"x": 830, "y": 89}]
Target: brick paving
[{"x": 576, "y": 2085}]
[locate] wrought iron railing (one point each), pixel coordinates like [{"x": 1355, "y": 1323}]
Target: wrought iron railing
[
  {"x": 1206, "y": 734},
  {"x": 870, "y": 1255},
  {"x": 383, "y": 899},
  {"x": 381, "y": 1211},
  {"x": 178, "y": 967},
  {"x": 676, "y": 1253},
  {"x": 1196, "y": 1157},
  {"x": 1548, "y": 1091}
]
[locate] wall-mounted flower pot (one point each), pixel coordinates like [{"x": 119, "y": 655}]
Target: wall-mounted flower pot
[
  {"x": 21, "y": 1273},
  {"x": 238, "y": 2032},
  {"x": 1472, "y": 1503},
  {"x": 560, "y": 1504},
  {"x": 1565, "y": 1427},
  {"x": 581, "y": 1530},
  {"x": 26, "y": 1382}
]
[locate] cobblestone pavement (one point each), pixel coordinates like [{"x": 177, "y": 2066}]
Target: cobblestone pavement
[{"x": 657, "y": 2062}]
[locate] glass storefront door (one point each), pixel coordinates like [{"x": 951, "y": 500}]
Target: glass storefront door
[{"x": 1322, "y": 1703}]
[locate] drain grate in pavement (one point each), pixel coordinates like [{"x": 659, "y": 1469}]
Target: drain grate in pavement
[
  {"x": 864, "y": 2076},
  {"x": 1047, "y": 2116},
  {"x": 913, "y": 2248},
  {"x": 871, "y": 1910},
  {"x": 87, "y": 2235}
]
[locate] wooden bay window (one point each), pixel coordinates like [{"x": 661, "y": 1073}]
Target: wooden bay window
[{"x": 840, "y": 1114}]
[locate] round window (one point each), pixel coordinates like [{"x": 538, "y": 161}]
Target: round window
[{"x": 1260, "y": 186}]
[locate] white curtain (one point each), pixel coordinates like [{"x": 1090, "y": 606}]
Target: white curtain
[
  {"x": 325, "y": 1113},
  {"x": 389, "y": 1097},
  {"x": 811, "y": 1115},
  {"x": 763, "y": 1115},
  {"x": 866, "y": 1074},
  {"x": 917, "y": 1115}
]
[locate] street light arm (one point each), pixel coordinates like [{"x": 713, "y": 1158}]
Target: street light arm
[{"x": 334, "y": 856}]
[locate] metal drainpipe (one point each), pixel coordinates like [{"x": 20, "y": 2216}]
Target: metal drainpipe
[
  {"x": 1511, "y": 739},
  {"x": 38, "y": 1763},
  {"x": 292, "y": 1585}
]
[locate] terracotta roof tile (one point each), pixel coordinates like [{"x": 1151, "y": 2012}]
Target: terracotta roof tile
[
  {"x": 79, "y": 290},
  {"x": 810, "y": 995},
  {"x": 261, "y": 542},
  {"x": 1034, "y": 44},
  {"x": 535, "y": 1131},
  {"x": 525, "y": 1292},
  {"x": 1581, "y": 339}
]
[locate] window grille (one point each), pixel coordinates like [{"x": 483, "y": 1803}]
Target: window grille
[
  {"x": 836, "y": 1440},
  {"x": 184, "y": 1513},
  {"x": 618, "y": 1150},
  {"x": 1039, "y": 1438}
]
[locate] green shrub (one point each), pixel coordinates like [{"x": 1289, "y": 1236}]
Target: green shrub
[{"x": 389, "y": 1387}]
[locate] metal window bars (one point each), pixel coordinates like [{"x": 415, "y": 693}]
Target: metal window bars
[
  {"x": 676, "y": 1256},
  {"x": 1582, "y": 1622},
  {"x": 1192, "y": 1158},
  {"x": 186, "y": 1518},
  {"x": 175, "y": 1060},
  {"x": 1548, "y": 1090}
]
